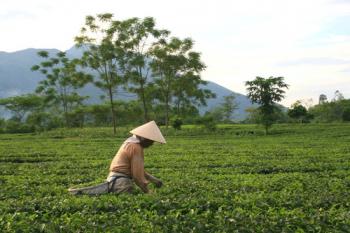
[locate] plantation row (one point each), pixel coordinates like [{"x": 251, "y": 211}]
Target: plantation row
[{"x": 232, "y": 180}]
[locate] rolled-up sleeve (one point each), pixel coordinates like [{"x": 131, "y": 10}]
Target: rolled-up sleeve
[{"x": 137, "y": 169}]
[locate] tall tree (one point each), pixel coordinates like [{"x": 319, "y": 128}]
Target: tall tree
[
  {"x": 229, "y": 106},
  {"x": 100, "y": 39},
  {"x": 338, "y": 96},
  {"x": 322, "y": 99},
  {"x": 172, "y": 61},
  {"x": 62, "y": 81},
  {"x": 266, "y": 92},
  {"x": 140, "y": 35}
]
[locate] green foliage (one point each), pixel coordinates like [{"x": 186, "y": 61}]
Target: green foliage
[
  {"x": 22, "y": 105},
  {"x": 61, "y": 83},
  {"x": 330, "y": 111},
  {"x": 229, "y": 106},
  {"x": 346, "y": 114},
  {"x": 2, "y": 125},
  {"x": 266, "y": 92},
  {"x": 34, "y": 122},
  {"x": 253, "y": 115},
  {"x": 98, "y": 115},
  {"x": 176, "y": 71},
  {"x": 13, "y": 126},
  {"x": 42, "y": 121},
  {"x": 141, "y": 34},
  {"x": 104, "y": 54},
  {"x": 176, "y": 123},
  {"x": 224, "y": 112},
  {"x": 293, "y": 180},
  {"x": 208, "y": 121},
  {"x": 217, "y": 114},
  {"x": 299, "y": 112},
  {"x": 122, "y": 54}
]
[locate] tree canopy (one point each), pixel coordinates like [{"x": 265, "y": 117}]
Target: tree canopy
[{"x": 265, "y": 92}]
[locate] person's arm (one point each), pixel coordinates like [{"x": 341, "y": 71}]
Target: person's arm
[
  {"x": 153, "y": 179},
  {"x": 137, "y": 171}
]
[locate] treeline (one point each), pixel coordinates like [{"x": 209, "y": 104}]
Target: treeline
[
  {"x": 335, "y": 110},
  {"x": 29, "y": 113},
  {"x": 162, "y": 71}
]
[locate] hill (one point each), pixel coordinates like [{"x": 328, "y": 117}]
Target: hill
[{"x": 16, "y": 78}]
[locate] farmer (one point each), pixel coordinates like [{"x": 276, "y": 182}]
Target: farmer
[{"x": 128, "y": 164}]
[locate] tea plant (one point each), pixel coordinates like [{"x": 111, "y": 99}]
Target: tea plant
[{"x": 296, "y": 179}]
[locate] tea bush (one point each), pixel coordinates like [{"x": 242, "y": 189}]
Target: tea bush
[{"x": 296, "y": 179}]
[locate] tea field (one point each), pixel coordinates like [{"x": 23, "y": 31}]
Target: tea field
[{"x": 235, "y": 179}]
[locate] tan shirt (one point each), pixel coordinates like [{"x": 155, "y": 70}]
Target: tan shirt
[{"x": 129, "y": 160}]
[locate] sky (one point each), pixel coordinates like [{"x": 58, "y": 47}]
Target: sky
[{"x": 305, "y": 41}]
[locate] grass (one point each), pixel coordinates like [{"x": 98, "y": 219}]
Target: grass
[{"x": 235, "y": 179}]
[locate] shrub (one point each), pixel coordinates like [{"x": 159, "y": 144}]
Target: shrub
[
  {"x": 346, "y": 114},
  {"x": 207, "y": 121},
  {"x": 176, "y": 123},
  {"x": 2, "y": 125},
  {"x": 18, "y": 127},
  {"x": 44, "y": 121}
]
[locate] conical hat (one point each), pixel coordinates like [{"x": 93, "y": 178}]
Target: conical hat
[{"x": 150, "y": 131}]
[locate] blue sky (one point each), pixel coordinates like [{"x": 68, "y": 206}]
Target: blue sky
[{"x": 306, "y": 41}]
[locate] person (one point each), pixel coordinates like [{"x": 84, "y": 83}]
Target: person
[{"x": 127, "y": 166}]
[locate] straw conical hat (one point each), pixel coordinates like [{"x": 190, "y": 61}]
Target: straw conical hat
[{"x": 150, "y": 131}]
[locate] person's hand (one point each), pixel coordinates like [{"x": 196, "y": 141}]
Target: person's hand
[{"x": 158, "y": 183}]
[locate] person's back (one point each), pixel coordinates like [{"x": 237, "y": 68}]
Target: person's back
[
  {"x": 122, "y": 160},
  {"x": 129, "y": 161}
]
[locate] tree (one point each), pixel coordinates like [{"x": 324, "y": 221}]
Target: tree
[
  {"x": 266, "y": 92},
  {"x": 62, "y": 81},
  {"x": 252, "y": 115},
  {"x": 331, "y": 111},
  {"x": 322, "y": 99},
  {"x": 22, "y": 105},
  {"x": 217, "y": 114},
  {"x": 298, "y": 112},
  {"x": 140, "y": 35},
  {"x": 224, "y": 111},
  {"x": 100, "y": 39},
  {"x": 229, "y": 106},
  {"x": 173, "y": 62},
  {"x": 188, "y": 93},
  {"x": 338, "y": 96}
]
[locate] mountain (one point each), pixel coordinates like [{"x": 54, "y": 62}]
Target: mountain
[{"x": 16, "y": 78}]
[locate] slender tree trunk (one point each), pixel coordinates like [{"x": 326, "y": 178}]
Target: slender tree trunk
[
  {"x": 65, "y": 107},
  {"x": 167, "y": 114},
  {"x": 112, "y": 109},
  {"x": 143, "y": 98},
  {"x": 66, "y": 115},
  {"x": 167, "y": 111},
  {"x": 178, "y": 107},
  {"x": 142, "y": 94}
]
